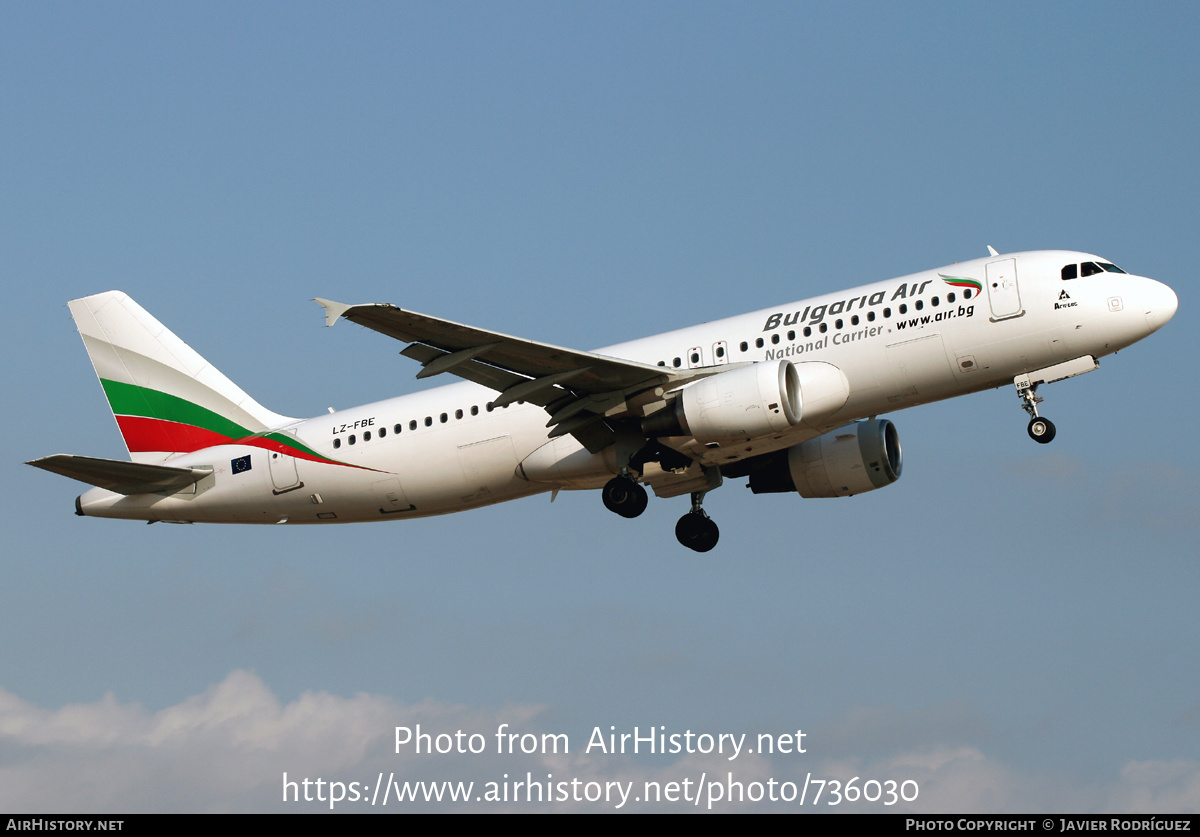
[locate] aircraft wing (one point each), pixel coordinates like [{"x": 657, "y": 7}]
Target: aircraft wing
[
  {"x": 120, "y": 476},
  {"x": 577, "y": 388}
]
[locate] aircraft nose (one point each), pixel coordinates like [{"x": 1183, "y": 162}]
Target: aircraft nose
[{"x": 1161, "y": 304}]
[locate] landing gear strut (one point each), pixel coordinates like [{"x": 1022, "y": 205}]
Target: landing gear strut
[
  {"x": 625, "y": 496},
  {"x": 1041, "y": 430},
  {"x": 696, "y": 530}
]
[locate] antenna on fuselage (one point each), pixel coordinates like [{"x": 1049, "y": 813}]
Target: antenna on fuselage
[{"x": 992, "y": 250}]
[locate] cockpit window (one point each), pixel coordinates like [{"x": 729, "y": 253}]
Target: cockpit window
[{"x": 1073, "y": 271}]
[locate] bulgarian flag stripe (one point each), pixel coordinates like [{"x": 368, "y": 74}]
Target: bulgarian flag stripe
[
  {"x": 150, "y": 420},
  {"x": 963, "y": 282},
  {"x": 151, "y": 434},
  {"x": 132, "y": 400}
]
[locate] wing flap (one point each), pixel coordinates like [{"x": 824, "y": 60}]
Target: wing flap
[
  {"x": 479, "y": 373},
  {"x": 120, "y": 476}
]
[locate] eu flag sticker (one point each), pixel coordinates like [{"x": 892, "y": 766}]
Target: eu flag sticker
[{"x": 242, "y": 463}]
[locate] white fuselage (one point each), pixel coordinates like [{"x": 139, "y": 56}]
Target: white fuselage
[{"x": 899, "y": 343}]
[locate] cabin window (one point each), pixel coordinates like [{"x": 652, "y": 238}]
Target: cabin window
[
  {"x": 824, "y": 327},
  {"x": 443, "y": 418},
  {"x": 870, "y": 316},
  {"x": 950, "y": 297},
  {"x": 936, "y": 302},
  {"x": 337, "y": 443},
  {"x": 920, "y": 304},
  {"x": 745, "y": 346},
  {"x": 458, "y": 414},
  {"x": 838, "y": 324},
  {"x": 475, "y": 409},
  {"x": 397, "y": 429},
  {"x": 695, "y": 357},
  {"x": 662, "y": 363},
  {"x": 367, "y": 436},
  {"x": 490, "y": 406},
  {"x": 775, "y": 339},
  {"x": 808, "y": 331},
  {"x": 903, "y": 308},
  {"x": 720, "y": 351},
  {"x": 791, "y": 335},
  {"x": 382, "y": 432},
  {"x": 967, "y": 293},
  {"x": 429, "y": 421},
  {"x": 351, "y": 439},
  {"x": 412, "y": 425},
  {"x": 677, "y": 363},
  {"x": 758, "y": 343},
  {"x": 854, "y": 320},
  {"x": 887, "y": 313}
]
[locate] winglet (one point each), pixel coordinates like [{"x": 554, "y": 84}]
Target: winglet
[{"x": 333, "y": 310}]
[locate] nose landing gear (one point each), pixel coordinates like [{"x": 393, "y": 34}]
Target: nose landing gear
[{"x": 1041, "y": 430}]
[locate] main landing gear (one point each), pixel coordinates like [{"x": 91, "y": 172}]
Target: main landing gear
[
  {"x": 1041, "y": 430},
  {"x": 623, "y": 495},
  {"x": 696, "y": 530}
]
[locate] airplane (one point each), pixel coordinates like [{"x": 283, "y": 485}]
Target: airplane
[{"x": 787, "y": 397}]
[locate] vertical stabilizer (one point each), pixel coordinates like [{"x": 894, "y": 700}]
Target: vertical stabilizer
[{"x": 166, "y": 398}]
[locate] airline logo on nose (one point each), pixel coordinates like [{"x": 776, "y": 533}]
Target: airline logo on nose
[{"x": 1060, "y": 304}]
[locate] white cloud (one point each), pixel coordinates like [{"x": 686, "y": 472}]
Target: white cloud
[{"x": 228, "y": 748}]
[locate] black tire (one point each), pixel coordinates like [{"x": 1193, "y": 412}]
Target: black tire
[
  {"x": 1041, "y": 430},
  {"x": 624, "y": 497},
  {"x": 697, "y": 532}
]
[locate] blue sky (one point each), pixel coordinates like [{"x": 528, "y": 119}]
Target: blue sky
[{"x": 1012, "y": 626}]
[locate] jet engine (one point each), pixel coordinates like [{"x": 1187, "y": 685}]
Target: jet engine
[
  {"x": 859, "y": 457},
  {"x": 752, "y": 401}
]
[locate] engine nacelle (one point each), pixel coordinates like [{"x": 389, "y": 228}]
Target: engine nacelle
[
  {"x": 859, "y": 457},
  {"x": 752, "y": 402}
]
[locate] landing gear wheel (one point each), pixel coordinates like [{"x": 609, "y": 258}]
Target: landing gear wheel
[
  {"x": 1041, "y": 430},
  {"x": 695, "y": 530},
  {"x": 625, "y": 497}
]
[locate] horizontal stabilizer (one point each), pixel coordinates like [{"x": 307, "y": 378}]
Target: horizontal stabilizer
[{"x": 120, "y": 476}]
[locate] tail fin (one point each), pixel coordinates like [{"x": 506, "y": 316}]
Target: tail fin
[{"x": 165, "y": 397}]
